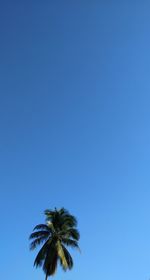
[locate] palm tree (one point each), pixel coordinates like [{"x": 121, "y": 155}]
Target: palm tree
[{"x": 58, "y": 232}]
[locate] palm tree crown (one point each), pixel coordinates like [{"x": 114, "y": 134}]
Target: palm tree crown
[{"x": 58, "y": 232}]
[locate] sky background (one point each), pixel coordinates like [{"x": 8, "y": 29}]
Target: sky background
[{"x": 75, "y": 132}]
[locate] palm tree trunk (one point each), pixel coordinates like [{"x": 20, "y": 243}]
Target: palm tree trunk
[{"x": 46, "y": 277}]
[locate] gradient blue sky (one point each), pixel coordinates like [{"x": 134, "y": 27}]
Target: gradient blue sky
[{"x": 75, "y": 132}]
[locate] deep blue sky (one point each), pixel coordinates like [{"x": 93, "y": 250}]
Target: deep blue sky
[{"x": 75, "y": 132}]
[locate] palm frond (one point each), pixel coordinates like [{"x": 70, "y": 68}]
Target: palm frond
[
  {"x": 74, "y": 233},
  {"x": 39, "y": 234},
  {"x": 69, "y": 220},
  {"x": 41, "y": 254},
  {"x": 38, "y": 241},
  {"x": 50, "y": 262},
  {"x": 71, "y": 233},
  {"x": 41, "y": 226},
  {"x": 49, "y": 213},
  {"x": 61, "y": 255},
  {"x": 67, "y": 257},
  {"x": 71, "y": 243}
]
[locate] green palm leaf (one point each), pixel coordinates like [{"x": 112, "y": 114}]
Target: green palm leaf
[
  {"x": 39, "y": 234},
  {"x": 41, "y": 226},
  {"x": 71, "y": 243},
  {"x": 68, "y": 258},
  {"x": 41, "y": 255},
  {"x": 50, "y": 262}
]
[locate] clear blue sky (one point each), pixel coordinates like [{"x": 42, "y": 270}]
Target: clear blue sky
[{"x": 75, "y": 132}]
